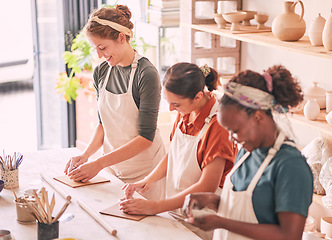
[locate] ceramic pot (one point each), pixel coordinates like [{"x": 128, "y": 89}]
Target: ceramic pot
[
  {"x": 316, "y": 31},
  {"x": 221, "y": 22},
  {"x": 317, "y": 93},
  {"x": 327, "y": 34},
  {"x": 311, "y": 110},
  {"x": 328, "y": 118},
  {"x": 328, "y": 101},
  {"x": 289, "y": 26}
]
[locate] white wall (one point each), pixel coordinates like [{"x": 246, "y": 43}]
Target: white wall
[{"x": 306, "y": 68}]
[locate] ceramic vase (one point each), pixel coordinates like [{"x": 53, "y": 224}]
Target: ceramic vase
[
  {"x": 316, "y": 31},
  {"x": 315, "y": 92},
  {"x": 311, "y": 109},
  {"x": 327, "y": 34},
  {"x": 289, "y": 26}
]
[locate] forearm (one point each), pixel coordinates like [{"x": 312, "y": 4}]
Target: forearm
[
  {"x": 159, "y": 171},
  {"x": 96, "y": 141},
  {"x": 255, "y": 231},
  {"x": 125, "y": 152}
]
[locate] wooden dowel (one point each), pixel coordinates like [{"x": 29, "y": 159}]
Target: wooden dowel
[
  {"x": 42, "y": 210},
  {"x": 48, "y": 208},
  {"x": 98, "y": 218},
  {"x": 54, "y": 186},
  {"x": 52, "y": 204}
]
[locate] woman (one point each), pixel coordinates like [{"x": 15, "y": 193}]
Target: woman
[
  {"x": 200, "y": 153},
  {"x": 128, "y": 92},
  {"x": 268, "y": 192}
]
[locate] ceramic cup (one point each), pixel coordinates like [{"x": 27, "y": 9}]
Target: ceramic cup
[
  {"x": 10, "y": 178},
  {"x": 48, "y": 231},
  {"x": 24, "y": 215},
  {"x": 5, "y": 235},
  {"x": 326, "y": 226}
]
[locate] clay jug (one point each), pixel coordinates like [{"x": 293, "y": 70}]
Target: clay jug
[
  {"x": 327, "y": 34},
  {"x": 289, "y": 26},
  {"x": 316, "y": 31}
]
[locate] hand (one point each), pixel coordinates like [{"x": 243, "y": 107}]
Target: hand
[
  {"x": 140, "y": 186},
  {"x": 75, "y": 162},
  {"x": 85, "y": 172},
  {"x": 205, "y": 223},
  {"x": 139, "y": 206},
  {"x": 199, "y": 201}
]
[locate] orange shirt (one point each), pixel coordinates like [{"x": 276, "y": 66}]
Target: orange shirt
[{"x": 214, "y": 142}]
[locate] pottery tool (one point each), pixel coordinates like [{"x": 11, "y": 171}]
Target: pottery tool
[
  {"x": 9, "y": 163},
  {"x": 69, "y": 182},
  {"x": 98, "y": 218},
  {"x": 116, "y": 212},
  {"x": 68, "y": 198},
  {"x": 54, "y": 186},
  {"x": 16, "y": 199}
]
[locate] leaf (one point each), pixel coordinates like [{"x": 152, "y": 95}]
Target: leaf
[{"x": 68, "y": 86}]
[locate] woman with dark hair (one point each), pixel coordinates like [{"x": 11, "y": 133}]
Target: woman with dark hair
[
  {"x": 128, "y": 93},
  {"x": 200, "y": 153},
  {"x": 269, "y": 190}
]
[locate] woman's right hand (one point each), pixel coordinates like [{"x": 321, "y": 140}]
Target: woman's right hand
[
  {"x": 140, "y": 186},
  {"x": 75, "y": 162},
  {"x": 199, "y": 201}
]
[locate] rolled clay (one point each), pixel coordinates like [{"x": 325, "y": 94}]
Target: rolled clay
[{"x": 197, "y": 213}]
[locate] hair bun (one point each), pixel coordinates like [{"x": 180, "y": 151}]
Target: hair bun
[{"x": 124, "y": 10}]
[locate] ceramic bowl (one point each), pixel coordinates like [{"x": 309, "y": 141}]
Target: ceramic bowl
[
  {"x": 221, "y": 22},
  {"x": 326, "y": 226},
  {"x": 250, "y": 15},
  {"x": 234, "y": 18},
  {"x": 261, "y": 19},
  {"x": 2, "y": 184},
  {"x": 328, "y": 118}
]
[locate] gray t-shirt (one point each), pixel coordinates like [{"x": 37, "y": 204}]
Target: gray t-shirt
[{"x": 146, "y": 91}]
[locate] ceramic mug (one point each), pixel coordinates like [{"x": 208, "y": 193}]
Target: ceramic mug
[
  {"x": 10, "y": 178},
  {"x": 326, "y": 226}
]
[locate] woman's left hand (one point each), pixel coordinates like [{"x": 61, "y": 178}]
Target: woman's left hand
[
  {"x": 85, "y": 172},
  {"x": 138, "y": 206}
]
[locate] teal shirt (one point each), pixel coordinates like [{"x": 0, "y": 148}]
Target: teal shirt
[{"x": 285, "y": 186}]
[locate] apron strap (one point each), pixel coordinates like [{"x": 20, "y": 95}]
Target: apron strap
[
  {"x": 103, "y": 86},
  {"x": 270, "y": 155},
  {"x": 208, "y": 119},
  {"x": 133, "y": 70},
  {"x": 238, "y": 164}
]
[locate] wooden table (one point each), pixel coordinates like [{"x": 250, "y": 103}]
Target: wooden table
[{"x": 98, "y": 197}]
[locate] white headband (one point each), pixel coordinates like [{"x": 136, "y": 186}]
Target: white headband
[{"x": 114, "y": 25}]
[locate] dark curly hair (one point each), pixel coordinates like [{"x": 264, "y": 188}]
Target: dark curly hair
[
  {"x": 187, "y": 79},
  {"x": 121, "y": 15},
  {"x": 286, "y": 89}
]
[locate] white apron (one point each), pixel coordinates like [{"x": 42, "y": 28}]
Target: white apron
[
  {"x": 183, "y": 169},
  {"x": 119, "y": 116},
  {"x": 237, "y": 205}
]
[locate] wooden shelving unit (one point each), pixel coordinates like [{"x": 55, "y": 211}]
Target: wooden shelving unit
[
  {"x": 267, "y": 39},
  {"x": 319, "y": 124}
]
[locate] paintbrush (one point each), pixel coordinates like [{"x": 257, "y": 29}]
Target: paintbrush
[{"x": 68, "y": 198}]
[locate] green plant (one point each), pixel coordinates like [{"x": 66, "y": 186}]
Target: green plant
[{"x": 79, "y": 58}]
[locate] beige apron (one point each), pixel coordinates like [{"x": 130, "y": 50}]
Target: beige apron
[
  {"x": 119, "y": 115},
  {"x": 237, "y": 205},
  {"x": 183, "y": 170}
]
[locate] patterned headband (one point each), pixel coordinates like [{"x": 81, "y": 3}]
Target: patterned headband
[
  {"x": 249, "y": 97},
  {"x": 206, "y": 70},
  {"x": 113, "y": 25}
]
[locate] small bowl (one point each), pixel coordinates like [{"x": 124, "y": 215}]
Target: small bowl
[
  {"x": 234, "y": 18},
  {"x": 328, "y": 118},
  {"x": 326, "y": 226},
  {"x": 250, "y": 15},
  {"x": 261, "y": 19},
  {"x": 221, "y": 22},
  {"x": 2, "y": 184}
]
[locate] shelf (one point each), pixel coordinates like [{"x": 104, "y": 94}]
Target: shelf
[
  {"x": 320, "y": 123},
  {"x": 267, "y": 39}
]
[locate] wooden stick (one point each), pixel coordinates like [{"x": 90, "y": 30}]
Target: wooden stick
[
  {"x": 54, "y": 185},
  {"x": 16, "y": 199},
  {"x": 62, "y": 210},
  {"x": 35, "y": 212},
  {"x": 42, "y": 199},
  {"x": 52, "y": 204},
  {"x": 48, "y": 208},
  {"x": 98, "y": 218},
  {"x": 42, "y": 211}
]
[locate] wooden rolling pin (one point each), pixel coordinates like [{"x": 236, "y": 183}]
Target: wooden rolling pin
[
  {"x": 54, "y": 185},
  {"x": 98, "y": 218}
]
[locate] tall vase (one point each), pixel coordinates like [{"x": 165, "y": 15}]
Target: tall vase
[
  {"x": 289, "y": 26},
  {"x": 316, "y": 31},
  {"x": 311, "y": 109},
  {"x": 327, "y": 34}
]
